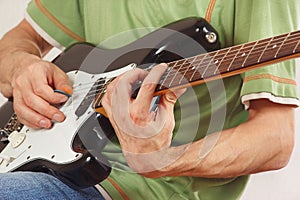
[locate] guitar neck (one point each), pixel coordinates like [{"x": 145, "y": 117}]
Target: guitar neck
[{"x": 229, "y": 61}]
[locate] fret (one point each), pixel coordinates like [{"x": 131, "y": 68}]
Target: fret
[
  {"x": 214, "y": 64},
  {"x": 263, "y": 52},
  {"x": 187, "y": 69},
  {"x": 234, "y": 58},
  {"x": 258, "y": 51},
  {"x": 210, "y": 61},
  {"x": 243, "y": 65},
  {"x": 169, "y": 69},
  {"x": 180, "y": 64},
  {"x": 198, "y": 65},
  {"x": 289, "y": 45},
  {"x": 297, "y": 45},
  {"x": 220, "y": 63},
  {"x": 271, "y": 49},
  {"x": 230, "y": 59},
  {"x": 281, "y": 45}
]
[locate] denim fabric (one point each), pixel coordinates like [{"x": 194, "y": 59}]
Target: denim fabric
[{"x": 40, "y": 186}]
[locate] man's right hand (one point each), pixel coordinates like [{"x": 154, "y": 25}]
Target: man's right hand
[
  {"x": 33, "y": 91},
  {"x": 30, "y": 80}
]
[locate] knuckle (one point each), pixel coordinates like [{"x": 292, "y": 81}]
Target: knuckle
[
  {"x": 148, "y": 86},
  {"x": 18, "y": 82},
  {"x": 38, "y": 90},
  {"x": 138, "y": 116},
  {"x": 28, "y": 101},
  {"x": 137, "y": 70}
]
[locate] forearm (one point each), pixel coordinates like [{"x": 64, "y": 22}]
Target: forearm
[
  {"x": 18, "y": 48},
  {"x": 263, "y": 143}
]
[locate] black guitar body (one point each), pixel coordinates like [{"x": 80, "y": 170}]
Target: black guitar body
[{"x": 181, "y": 39}]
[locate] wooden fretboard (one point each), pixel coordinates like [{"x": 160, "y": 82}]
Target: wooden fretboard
[{"x": 230, "y": 61}]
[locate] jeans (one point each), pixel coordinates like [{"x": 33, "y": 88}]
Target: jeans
[{"x": 40, "y": 186}]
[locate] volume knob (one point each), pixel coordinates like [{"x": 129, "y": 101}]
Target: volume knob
[{"x": 16, "y": 138}]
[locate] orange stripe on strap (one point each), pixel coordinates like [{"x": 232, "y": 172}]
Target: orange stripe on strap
[
  {"x": 210, "y": 9},
  {"x": 272, "y": 77},
  {"x": 57, "y": 23},
  {"x": 122, "y": 193}
]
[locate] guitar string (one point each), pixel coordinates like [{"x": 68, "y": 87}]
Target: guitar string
[
  {"x": 93, "y": 93},
  {"x": 188, "y": 65},
  {"x": 237, "y": 47},
  {"x": 103, "y": 89}
]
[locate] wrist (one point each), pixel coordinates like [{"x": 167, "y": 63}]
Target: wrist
[{"x": 11, "y": 63}]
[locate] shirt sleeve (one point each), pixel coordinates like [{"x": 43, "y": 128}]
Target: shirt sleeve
[
  {"x": 59, "y": 22},
  {"x": 260, "y": 19}
]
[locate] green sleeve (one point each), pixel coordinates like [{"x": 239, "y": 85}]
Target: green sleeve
[
  {"x": 259, "y": 19},
  {"x": 56, "y": 20}
]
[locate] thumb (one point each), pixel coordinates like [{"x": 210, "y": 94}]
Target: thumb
[
  {"x": 62, "y": 82},
  {"x": 170, "y": 98}
]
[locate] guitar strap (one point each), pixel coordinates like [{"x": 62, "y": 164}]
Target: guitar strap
[{"x": 209, "y": 10}]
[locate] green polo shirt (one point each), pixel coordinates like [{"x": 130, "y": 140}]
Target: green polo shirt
[{"x": 203, "y": 109}]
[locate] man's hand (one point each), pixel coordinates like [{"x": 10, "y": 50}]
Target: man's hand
[
  {"x": 29, "y": 79},
  {"x": 263, "y": 143},
  {"x": 33, "y": 92},
  {"x": 143, "y": 134}
]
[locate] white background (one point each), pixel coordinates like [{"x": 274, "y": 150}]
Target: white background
[{"x": 276, "y": 185}]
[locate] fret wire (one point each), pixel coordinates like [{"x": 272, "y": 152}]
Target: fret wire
[
  {"x": 281, "y": 45},
  {"x": 217, "y": 68},
  {"x": 207, "y": 66},
  {"x": 295, "y": 36},
  {"x": 176, "y": 72},
  {"x": 215, "y": 55},
  {"x": 249, "y": 53},
  {"x": 187, "y": 69},
  {"x": 296, "y": 46},
  {"x": 197, "y": 66},
  {"x": 263, "y": 52},
  {"x": 169, "y": 69},
  {"x": 235, "y": 57}
]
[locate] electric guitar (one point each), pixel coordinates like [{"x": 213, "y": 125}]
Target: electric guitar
[{"x": 71, "y": 151}]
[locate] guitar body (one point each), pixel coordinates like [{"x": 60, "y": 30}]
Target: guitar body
[{"x": 71, "y": 151}]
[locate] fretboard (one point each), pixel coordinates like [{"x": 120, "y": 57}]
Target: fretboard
[{"x": 230, "y": 61}]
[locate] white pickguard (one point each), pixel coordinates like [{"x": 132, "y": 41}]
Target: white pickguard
[{"x": 55, "y": 144}]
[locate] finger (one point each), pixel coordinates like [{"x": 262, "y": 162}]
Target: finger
[
  {"x": 172, "y": 96},
  {"x": 145, "y": 95},
  {"x": 122, "y": 90},
  {"x": 42, "y": 107},
  {"x": 61, "y": 81},
  {"x": 166, "y": 105},
  {"x": 28, "y": 116},
  {"x": 42, "y": 84}
]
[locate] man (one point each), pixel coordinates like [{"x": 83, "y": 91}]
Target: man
[{"x": 257, "y": 139}]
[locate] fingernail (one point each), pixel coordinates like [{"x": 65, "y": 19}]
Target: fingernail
[
  {"x": 64, "y": 99},
  {"x": 58, "y": 117},
  {"x": 44, "y": 123}
]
